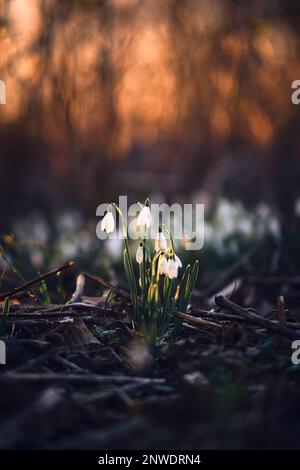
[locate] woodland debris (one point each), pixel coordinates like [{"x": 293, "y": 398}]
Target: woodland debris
[{"x": 235, "y": 309}]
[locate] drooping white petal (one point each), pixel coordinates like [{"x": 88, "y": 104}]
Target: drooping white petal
[
  {"x": 108, "y": 223},
  {"x": 144, "y": 217},
  {"x": 163, "y": 265},
  {"x": 139, "y": 254},
  {"x": 172, "y": 269},
  {"x": 160, "y": 242},
  {"x": 163, "y": 241},
  {"x": 103, "y": 224},
  {"x": 178, "y": 261},
  {"x": 147, "y": 215}
]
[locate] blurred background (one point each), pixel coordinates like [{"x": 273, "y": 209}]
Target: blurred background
[{"x": 186, "y": 101}]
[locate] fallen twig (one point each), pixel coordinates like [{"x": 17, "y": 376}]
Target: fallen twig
[
  {"x": 59, "y": 311},
  {"x": 222, "y": 316},
  {"x": 35, "y": 281},
  {"x": 104, "y": 283},
  {"x": 197, "y": 320},
  {"x": 223, "y": 302},
  {"x": 76, "y": 378}
]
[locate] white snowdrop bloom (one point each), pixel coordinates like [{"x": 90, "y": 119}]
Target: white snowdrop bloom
[
  {"x": 178, "y": 261},
  {"x": 108, "y": 223},
  {"x": 163, "y": 265},
  {"x": 172, "y": 269},
  {"x": 139, "y": 254},
  {"x": 160, "y": 241},
  {"x": 144, "y": 217}
]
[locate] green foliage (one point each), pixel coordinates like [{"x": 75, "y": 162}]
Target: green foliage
[
  {"x": 157, "y": 291},
  {"x": 44, "y": 294}
]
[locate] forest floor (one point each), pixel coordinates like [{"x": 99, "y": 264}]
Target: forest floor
[{"x": 79, "y": 377}]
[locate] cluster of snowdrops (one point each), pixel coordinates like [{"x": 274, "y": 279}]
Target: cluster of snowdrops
[{"x": 159, "y": 289}]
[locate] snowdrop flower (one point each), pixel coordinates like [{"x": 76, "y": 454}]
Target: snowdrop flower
[
  {"x": 139, "y": 254},
  {"x": 144, "y": 217},
  {"x": 108, "y": 223},
  {"x": 163, "y": 265},
  {"x": 178, "y": 261},
  {"x": 160, "y": 241},
  {"x": 172, "y": 268}
]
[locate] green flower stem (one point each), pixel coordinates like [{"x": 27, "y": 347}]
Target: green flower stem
[
  {"x": 155, "y": 297},
  {"x": 170, "y": 237},
  {"x": 132, "y": 281}
]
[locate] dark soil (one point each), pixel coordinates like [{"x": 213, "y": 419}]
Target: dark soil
[{"x": 78, "y": 377}]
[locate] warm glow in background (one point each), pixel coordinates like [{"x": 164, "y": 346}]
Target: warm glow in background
[{"x": 123, "y": 96}]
